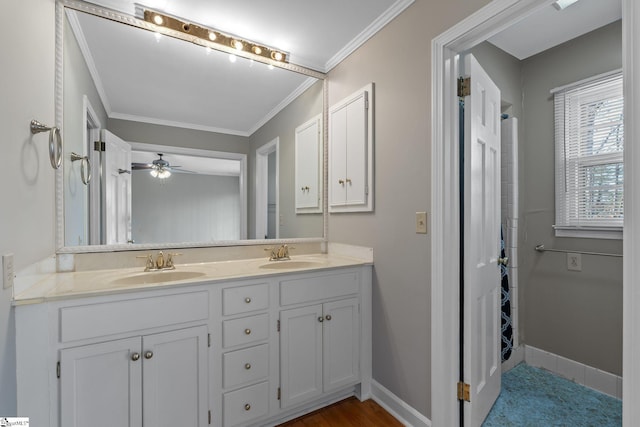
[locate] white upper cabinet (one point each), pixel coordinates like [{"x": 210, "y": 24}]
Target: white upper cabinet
[
  {"x": 308, "y": 185},
  {"x": 351, "y": 153}
]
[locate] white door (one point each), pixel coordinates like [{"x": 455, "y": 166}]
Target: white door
[
  {"x": 175, "y": 378},
  {"x": 301, "y": 354},
  {"x": 116, "y": 189},
  {"x": 481, "y": 249},
  {"x": 101, "y": 385},
  {"x": 341, "y": 341}
]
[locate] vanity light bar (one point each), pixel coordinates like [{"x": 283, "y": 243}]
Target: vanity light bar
[{"x": 212, "y": 37}]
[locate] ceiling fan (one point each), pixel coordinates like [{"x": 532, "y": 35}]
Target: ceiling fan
[{"x": 159, "y": 168}]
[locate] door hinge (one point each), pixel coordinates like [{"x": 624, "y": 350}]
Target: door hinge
[
  {"x": 464, "y": 392},
  {"x": 464, "y": 87},
  {"x": 99, "y": 146},
  {"x": 209, "y": 417},
  {"x": 58, "y": 369},
  {"x": 208, "y": 340},
  {"x": 278, "y": 393},
  {"x": 278, "y": 326},
  {"x": 366, "y": 103}
]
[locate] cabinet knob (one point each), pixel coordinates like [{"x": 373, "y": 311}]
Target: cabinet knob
[
  {"x": 320, "y": 319},
  {"x": 148, "y": 354},
  {"x": 135, "y": 356},
  {"x": 247, "y": 407},
  {"x": 247, "y": 331},
  {"x": 341, "y": 181},
  {"x": 328, "y": 317},
  {"x": 348, "y": 180},
  {"x": 247, "y": 366},
  {"x": 247, "y": 300}
]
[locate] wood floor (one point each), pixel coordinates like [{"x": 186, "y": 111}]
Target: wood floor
[{"x": 347, "y": 413}]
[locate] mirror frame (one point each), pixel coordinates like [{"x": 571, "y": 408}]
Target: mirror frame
[{"x": 123, "y": 18}]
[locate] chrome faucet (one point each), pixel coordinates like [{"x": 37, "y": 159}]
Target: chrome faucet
[{"x": 279, "y": 254}]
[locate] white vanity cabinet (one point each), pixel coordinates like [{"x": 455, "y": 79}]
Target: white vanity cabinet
[
  {"x": 320, "y": 340},
  {"x": 159, "y": 378}
]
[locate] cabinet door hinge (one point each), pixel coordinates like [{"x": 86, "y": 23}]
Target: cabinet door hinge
[
  {"x": 278, "y": 326},
  {"x": 99, "y": 146},
  {"x": 209, "y": 417},
  {"x": 278, "y": 393},
  {"x": 464, "y": 392},
  {"x": 208, "y": 340},
  {"x": 58, "y": 369},
  {"x": 464, "y": 87}
]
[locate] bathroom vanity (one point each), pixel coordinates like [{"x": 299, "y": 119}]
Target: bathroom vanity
[{"x": 234, "y": 343}]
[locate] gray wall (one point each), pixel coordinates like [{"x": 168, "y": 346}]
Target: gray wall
[
  {"x": 185, "y": 208},
  {"x": 283, "y": 125},
  {"x": 577, "y": 315},
  {"x": 397, "y": 60},
  {"x": 27, "y": 215},
  {"x": 77, "y": 83}
]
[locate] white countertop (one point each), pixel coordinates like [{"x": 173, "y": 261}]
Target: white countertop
[{"x": 57, "y": 286}]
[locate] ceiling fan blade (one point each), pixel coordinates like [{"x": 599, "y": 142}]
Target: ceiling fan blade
[
  {"x": 139, "y": 166},
  {"x": 183, "y": 170}
]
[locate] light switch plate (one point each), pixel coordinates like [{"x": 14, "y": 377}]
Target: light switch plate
[
  {"x": 421, "y": 222},
  {"x": 7, "y": 271},
  {"x": 574, "y": 262}
]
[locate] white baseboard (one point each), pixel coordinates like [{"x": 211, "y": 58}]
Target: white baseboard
[
  {"x": 397, "y": 407},
  {"x": 517, "y": 357},
  {"x": 588, "y": 376}
]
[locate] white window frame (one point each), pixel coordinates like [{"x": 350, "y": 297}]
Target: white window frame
[{"x": 566, "y": 224}]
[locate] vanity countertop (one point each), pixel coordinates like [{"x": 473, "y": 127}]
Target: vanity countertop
[{"x": 59, "y": 286}]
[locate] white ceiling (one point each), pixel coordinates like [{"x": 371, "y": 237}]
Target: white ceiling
[
  {"x": 549, "y": 27},
  {"x": 172, "y": 82}
]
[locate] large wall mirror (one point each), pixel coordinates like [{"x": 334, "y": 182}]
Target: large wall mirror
[{"x": 170, "y": 143}]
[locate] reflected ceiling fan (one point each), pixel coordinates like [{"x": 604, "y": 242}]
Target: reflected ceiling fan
[{"x": 159, "y": 168}]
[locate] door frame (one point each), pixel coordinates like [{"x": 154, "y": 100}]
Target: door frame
[
  {"x": 445, "y": 179},
  {"x": 90, "y": 133},
  {"x": 261, "y": 187}
]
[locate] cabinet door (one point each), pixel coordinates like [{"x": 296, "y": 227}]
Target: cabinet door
[
  {"x": 356, "y": 175},
  {"x": 337, "y": 156},
  {"x": 300, "y": 354},
  {"x": 308, "y": 157},
  {"x": 341, "y": 344},
  {"x": 175, "y": 378},
  {"x": 101, "y": 385}
]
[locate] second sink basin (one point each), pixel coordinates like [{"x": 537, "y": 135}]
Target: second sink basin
[
  {"x": 285, "y": 265},
  {"x": 156, "y": 277}
]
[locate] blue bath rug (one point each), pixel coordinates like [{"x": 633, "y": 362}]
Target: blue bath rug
[{"x": 532, "y": 397}]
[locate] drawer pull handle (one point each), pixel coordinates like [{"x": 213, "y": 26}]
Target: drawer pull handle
[
  {"x": 247, "y": 331},
  {"x": 247, "y": 300},
  {"x": 135, "y": 356},
  {"x": 148, "y": 355},
  {"x": 320, "y": 319},
  {"x": 328, "y": 317},
  {"x": 247, "y": 366},
  {"x": 247, "y": 407}
]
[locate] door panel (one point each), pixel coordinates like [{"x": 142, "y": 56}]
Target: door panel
[
  {"x": 481, "y": 250},
  {"x": 341, "y": 344},
  {"x": 100, "y": 385}
]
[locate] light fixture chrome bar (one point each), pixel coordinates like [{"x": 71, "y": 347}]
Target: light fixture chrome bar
[{"x": 541, "y": 248}]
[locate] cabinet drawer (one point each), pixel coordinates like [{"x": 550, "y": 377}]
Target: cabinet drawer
[
  {"x": 245, "y": 404},
  {"x": 245, "y": 330},
  {"x": 97, "y": 320},
  {"x": 318, "y": 287},
  {"x": 245, "y": 366},
  {"x": 242, "y": 299}
]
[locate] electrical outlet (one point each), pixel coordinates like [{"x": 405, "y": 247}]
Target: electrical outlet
[
  {"x": 574, "y": 262},
  {"x": 7, "y": 271},
  {"x": 421, "y": 222}
]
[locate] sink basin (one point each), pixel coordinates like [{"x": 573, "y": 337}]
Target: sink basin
[
  {"x": 286, "y": 265},
  {"x": 156, "y": 277}
]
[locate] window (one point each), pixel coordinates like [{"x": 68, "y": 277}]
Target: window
[{"x": 589, "y": 134}]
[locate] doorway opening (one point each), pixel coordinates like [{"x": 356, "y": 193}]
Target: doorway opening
[{"x": 267, "y": 207}]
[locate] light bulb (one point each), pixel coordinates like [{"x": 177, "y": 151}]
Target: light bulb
[
  {"x": 277, "y": 56},
  {"x": 164, "y": 173},
  {"x": 154, "y": 173},
  {"x": 158, "y": 20},
  {"x": 212, "y": 36},
  {"x": 237, "y": 44},
  {"x": 257, "y": 50}
]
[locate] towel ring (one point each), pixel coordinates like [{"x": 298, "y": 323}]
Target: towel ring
[
  {"x": 55, "y": 142},
  {"x": 86, "y": 177}
]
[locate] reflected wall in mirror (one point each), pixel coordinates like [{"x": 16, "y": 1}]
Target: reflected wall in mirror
[{"x": 157, "y": 94}]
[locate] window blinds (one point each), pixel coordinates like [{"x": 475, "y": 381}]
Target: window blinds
[{"x": 589, "y": 132}]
